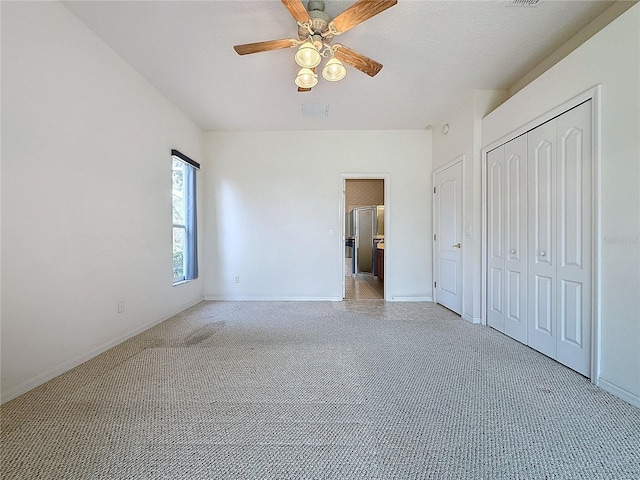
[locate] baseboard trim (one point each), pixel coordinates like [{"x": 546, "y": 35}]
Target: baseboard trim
[
  {"x": 216, "y": 298},
  {"x": 619, "y": 392},
  {"x": 64, "y": 367},
  {"x": 411, "y": 299},
  {"x": 471, "y": 319}
]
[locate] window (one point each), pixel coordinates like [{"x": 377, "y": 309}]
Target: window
[{"x": 185, "y": 248}]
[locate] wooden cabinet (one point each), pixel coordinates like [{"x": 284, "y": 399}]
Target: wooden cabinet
[{"x": 380, "y": 260}]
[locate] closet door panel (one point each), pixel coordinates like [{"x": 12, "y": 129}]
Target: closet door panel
[
  {"x": 516, "y": 238},
  {"x": 543, "y": 308},
  {"x": 495, "y": 238},
  {"x": 574, "y": 164},
  {"x": 542, "y": 231},
  {"x": 571, "y": 313}
]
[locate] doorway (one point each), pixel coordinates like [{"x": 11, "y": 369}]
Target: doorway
[{"x": 364, "y": 238}]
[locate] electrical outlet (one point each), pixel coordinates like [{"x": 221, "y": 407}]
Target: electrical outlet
[
  {"x": 236, "y": 279},
  {"x": 120, "y": 306}
]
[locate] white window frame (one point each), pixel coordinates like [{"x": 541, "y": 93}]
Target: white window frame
[{"x": 190, "y": 252}]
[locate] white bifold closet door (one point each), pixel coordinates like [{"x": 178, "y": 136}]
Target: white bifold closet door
[
  {"x": 560, "y": 160},
  {"x": 539, "y": 238},
  {"x": 507, "y": 239}
]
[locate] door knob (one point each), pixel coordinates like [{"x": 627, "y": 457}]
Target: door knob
[
  {"x": 513, "y": 251},
  {"x": 457, "y": 245},
  {"x": 543, "y": 253}
]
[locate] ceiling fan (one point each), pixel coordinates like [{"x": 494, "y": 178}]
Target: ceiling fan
[{"x": 316, "y": 31}]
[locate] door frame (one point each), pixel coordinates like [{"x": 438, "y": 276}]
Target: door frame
[
  {"x": 460, "y": 159},
  {"x": 593, "y": 94},
  {"x": 386, "y": 178}
]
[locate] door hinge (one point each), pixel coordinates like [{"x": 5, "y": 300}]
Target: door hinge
[
  {"x": 434, "y": 189},
  {"x": 434, "y": 237},
  {"x": 435, "y": 284}
]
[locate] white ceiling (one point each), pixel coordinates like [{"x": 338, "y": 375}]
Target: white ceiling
[{"x": 432, "y": 51}]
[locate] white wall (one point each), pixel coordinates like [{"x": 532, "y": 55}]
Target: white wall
[
  {"x": 597, "y": 24},
  {"x": 276, "y": 195},
  {"x": 86, "y": 204},
  {"x": 612, "y": 59}
]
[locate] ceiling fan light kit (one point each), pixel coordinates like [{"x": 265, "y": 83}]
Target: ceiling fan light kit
[
  {"x": 334, "y": 70},
  {"x": 308, "y": 55},
  {"x": 316, "y": 31},
  {"x": 306, "y": 78}
]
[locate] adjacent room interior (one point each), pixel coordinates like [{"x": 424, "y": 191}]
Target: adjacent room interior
[{"x": 364, "y": 238}]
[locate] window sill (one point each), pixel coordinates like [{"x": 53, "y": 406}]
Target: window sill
[{"x": 181, "y": 282}]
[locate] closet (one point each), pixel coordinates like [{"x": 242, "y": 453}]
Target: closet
[{"x": 539, "y": 214}]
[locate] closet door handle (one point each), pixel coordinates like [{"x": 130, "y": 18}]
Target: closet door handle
[
  {"x": 457, "y": 245},
  {"x": 513, "y": 251},
  {"x": 543, "y": 253}
]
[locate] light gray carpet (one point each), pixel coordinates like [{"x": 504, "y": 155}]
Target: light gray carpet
[{"x": 297, "y": 390}]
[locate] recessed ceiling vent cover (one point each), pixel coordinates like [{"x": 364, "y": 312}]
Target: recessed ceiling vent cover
[
  {"x": 523, "y": 3},
  {"x": 315, "y": 110}
]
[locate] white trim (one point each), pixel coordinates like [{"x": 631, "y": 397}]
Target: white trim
[
  {"x": 596, "y": 246},
  {"x": 64, "y": 367},
  {"x": 411, "y": 299},
  {"x": 342, "y": 248},
  {"x": 461, "y": 160},
  {"x": 589, "y": 94},
  {"x": 447, "y": 165},
  {"x": 222, "y": 298},
  {"x": 484, "y": 236},
  {"x": 386, "y": 178},
  {"x": 471, "y": 319},
  {"x": 619, "y": 392},
  {"x": 592, "y": 94},
  {"x": 306, "y": 299}
]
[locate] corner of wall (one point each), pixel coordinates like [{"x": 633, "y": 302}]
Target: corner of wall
[
  {"x": 604, "y": 19},
  {"x": 485, "y": 101},
  {"x": 619, "y": 392}
]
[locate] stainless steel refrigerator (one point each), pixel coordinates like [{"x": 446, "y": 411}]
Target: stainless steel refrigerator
[{"x": 367, "y": 227}]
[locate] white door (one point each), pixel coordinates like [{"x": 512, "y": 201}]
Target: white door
[
  {"x": 542, "y": 258},
  {"x": 560, "y": 154},
  {"x": 448, "y": 237},
  {"x": 574, "y": 216},
  {"x": 515, "y": 243},
  {"x": 495, "y": 238},
  {"x": 539, "y": 250},
  {"x": 507, "y": 239}
]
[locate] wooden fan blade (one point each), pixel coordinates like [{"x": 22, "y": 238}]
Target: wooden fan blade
[
  {"x": 359, "y": 12},
  {"x": 357, "y": 60},
  {"x": 297, "y": 10},
  {"x": 265, "y": 46}
]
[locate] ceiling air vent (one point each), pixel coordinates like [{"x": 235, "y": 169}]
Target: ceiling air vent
[
  {"x": 312, "y": 110},
  {"x": 523, "y": 3}
]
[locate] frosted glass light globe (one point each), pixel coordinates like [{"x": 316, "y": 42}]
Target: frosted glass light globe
[
  {"x": 307, "y": 55},
  {"x": 306, "y": 78},
  {"x": 334, "y": 70}
]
